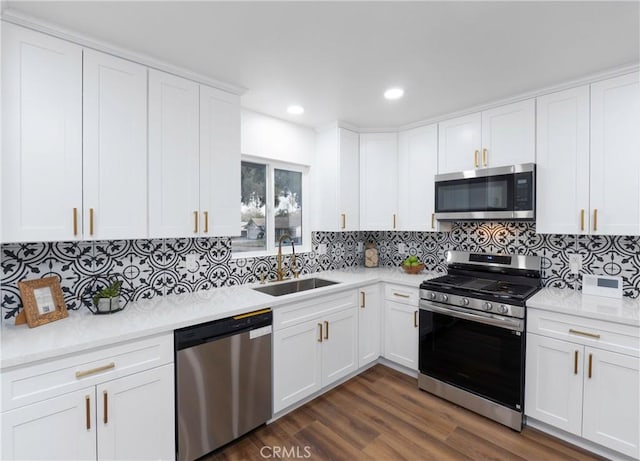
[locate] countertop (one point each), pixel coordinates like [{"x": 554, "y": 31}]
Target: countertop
[
  {"x": 625, "y": 311},
  {"x": 81, "y": 331}
]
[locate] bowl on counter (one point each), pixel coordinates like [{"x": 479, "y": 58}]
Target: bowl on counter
[{"x": 413, "y": 269}]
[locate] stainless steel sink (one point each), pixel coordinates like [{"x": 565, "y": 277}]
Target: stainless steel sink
[{"x": 294, "y": 286}]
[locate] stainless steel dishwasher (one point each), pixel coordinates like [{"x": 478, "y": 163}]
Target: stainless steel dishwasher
[{"x": 223, "y": 381}]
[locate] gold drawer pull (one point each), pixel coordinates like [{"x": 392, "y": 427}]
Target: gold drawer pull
[
  {"x": 584, "y": 333},
  {"x": 75, "y": 221},
  {"x": 105, "y": 402},
  {"x": 590, "y": 365},
  {"x": 344, "y": 221},
  {"x": 326, "y": 330},
  {"x": 575, "y": 363},
  {"x": 82, "y": 374},
  {"x": 394, "y": 221},
  {"x": 206, "y": 222},
  {"x": 400, "y": 295},
  {"x": 415, "y": 319},
  {"x": 90, "y": 221},
  {"x": 433, "y": 220},
  {"x": 582, "y": 219},
  {"x": 87, "y": 403},
  {"x": 595, "y": 219},
  {"x": 363, "y": 299},
  {"x": 195, "y": 222},
  {"x": 484, "y": 157},
  {"x": 320, "y": 336},
  {"x": 475, "y": 158}
]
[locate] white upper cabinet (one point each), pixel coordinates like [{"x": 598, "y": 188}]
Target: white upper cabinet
[
  {"x": 173, "y": 155},
  {"x": 508, "y": 134},
  {"x": 496, "y": 137},
  {"x": 615, "y": 156},
  {"x": 417, "y": 167},
  {"x": 114, "y": 147},
  {"x": 378, "y": 181},
  {"x": 42, "y": 137},
  {"x": 336, "y": 186},
  {"x": 563, "y": 162},
  {"x": 219, "y": 163}
]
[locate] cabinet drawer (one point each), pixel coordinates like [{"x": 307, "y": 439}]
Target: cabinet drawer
[
  {"x": 295, "y": 314},
  {"x": 33, "y": 383},
  {"x": 402, "y": 294},
  {"x": 580, "y": 330}
]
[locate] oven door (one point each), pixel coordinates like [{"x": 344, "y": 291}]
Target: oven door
[{"x": 477, "y": 352}]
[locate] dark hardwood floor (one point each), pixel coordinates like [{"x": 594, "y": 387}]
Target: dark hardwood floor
[{"x": 382, "y": 415}]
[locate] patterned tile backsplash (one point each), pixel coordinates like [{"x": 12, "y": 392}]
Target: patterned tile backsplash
[{"x": 158, "y": 267}]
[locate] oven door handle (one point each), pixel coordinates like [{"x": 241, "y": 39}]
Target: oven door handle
[{"x": 501, "y": 322}]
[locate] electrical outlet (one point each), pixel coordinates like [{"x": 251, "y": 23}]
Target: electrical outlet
[
  {"x": 402, "y": 248},
  {"x": 575, "y": 263},
  {"x": 191, "y": 262},
  {"x": 322, "y": 248}
]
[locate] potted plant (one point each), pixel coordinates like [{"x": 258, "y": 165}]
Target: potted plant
[{"x": 108, "y": 298}]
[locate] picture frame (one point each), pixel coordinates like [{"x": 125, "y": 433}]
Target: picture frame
[{"x": 43, "y": 301}]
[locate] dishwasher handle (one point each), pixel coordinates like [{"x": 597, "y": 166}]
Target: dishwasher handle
[{"x": 218, "y": 329}]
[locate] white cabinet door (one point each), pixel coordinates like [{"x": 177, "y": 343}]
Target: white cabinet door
[
  {"x": 508, "y": 134},
  {"x": 553, "y": 389},
  {"x": 339, "y": 345},
  {"x": 135, "y": 416},
  {"x": 401, "y": 334},
  {"x": 114, "y": 147},
  {"x": 62, "y": 428},
  {"x": 615, "y": 163},
  {"x": 219, "y": 163},
  {"x": 611, "y": 404},
  {"x": 369, "y": 324},
  {"x": 459, "y": 143},
  {"x": 173, "y": 155},
  {"x": 349, "y": 183},
  {"x": 563, "y": 162},
  {"x": 417, "y": 165},
  {"x": 296, "y": 363},
  {"x": 42, "y": 137},
  {"x": 378, "y": 181}
]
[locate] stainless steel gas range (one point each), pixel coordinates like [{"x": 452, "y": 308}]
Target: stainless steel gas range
[{"x": 472, "y": 332}]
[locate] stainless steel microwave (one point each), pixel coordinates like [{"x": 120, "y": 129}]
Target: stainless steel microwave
[{"x": 507, "y": 192}]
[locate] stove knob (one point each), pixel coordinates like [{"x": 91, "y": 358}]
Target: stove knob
[
  {"x": 464, "y": 301},
  {"x": 432, "y": 295},
  {"x": 487, "y": 306},
  {"x": 445, "y": 298},
  {"x": 503, "y": 309}
]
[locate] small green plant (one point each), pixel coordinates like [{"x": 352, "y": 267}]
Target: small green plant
[{"x": 110, "y": 291}]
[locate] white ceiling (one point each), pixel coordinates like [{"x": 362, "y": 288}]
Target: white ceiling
[{"x": 337, "y": 58}]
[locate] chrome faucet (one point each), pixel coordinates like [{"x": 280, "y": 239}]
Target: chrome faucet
[{"x": 279, "y": 270}]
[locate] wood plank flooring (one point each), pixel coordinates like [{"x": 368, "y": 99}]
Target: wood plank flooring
[{"x": 382, "y": 415}]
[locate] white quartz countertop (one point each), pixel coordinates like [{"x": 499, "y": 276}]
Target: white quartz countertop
[
  {"x": 82, "y": 330},
  {"x": 625, "y": 311}
]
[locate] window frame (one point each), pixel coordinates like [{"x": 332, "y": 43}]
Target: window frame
[{"x": 271, "y": 246}]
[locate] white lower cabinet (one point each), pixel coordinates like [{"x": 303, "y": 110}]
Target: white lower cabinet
[
  {"x": 401, "y": 326},
  {"x": 368, "y": 324},
  {"x": 315, "y": 343},
  {"x": 113, "y": 404},
  {"x": 583, "y": 377}
]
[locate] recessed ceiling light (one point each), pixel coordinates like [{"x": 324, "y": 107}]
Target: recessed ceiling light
[
  {"x": 295, "y": 110},
  {"x": 394, "y": 93}
]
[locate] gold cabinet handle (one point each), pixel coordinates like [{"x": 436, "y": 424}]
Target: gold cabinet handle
[
  {"x": 394, "y": 220},
  {"x": 485, "y": 156},
  {"x": 433, "y": 220},
  {"x": 105, "y": 403},
  {"x": 582, "y": 219},
  {"x": 326, "y": 330},
  {"x": 90, "y": 221},
  {"x": 584, "y": 333},
  {"x": 400, "y": 295},
  {"x": 475, "y": 158},
  {"x": 320, "y": 335},
  {"x": 590, "y": 365},
  {"x": 575, "y": 363},
  {"x": 343, "y": 216},
  {"x": 415, "y": 319},
  {"x": 206, "y": 222},
  {"x": 595, "y": 219},
  {"x": 195, "y": 222},
  {"x": 75, "y": 221},
  {"x": 82, "y": 374},
  {"x": 87, "y": 404},
  {"x": 362, "y": 299}
]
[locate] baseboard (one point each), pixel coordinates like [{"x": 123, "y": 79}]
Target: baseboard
[
  {"x": 397, "y": 367},
  {"x": 577, "y": 441}
]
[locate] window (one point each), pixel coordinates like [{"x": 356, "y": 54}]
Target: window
[{"x": 271, "y": 206}]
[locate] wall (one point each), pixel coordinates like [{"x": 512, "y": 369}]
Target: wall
[
  {"x": 157, "y": 267},
  {"x": 269, "y": 137}
]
